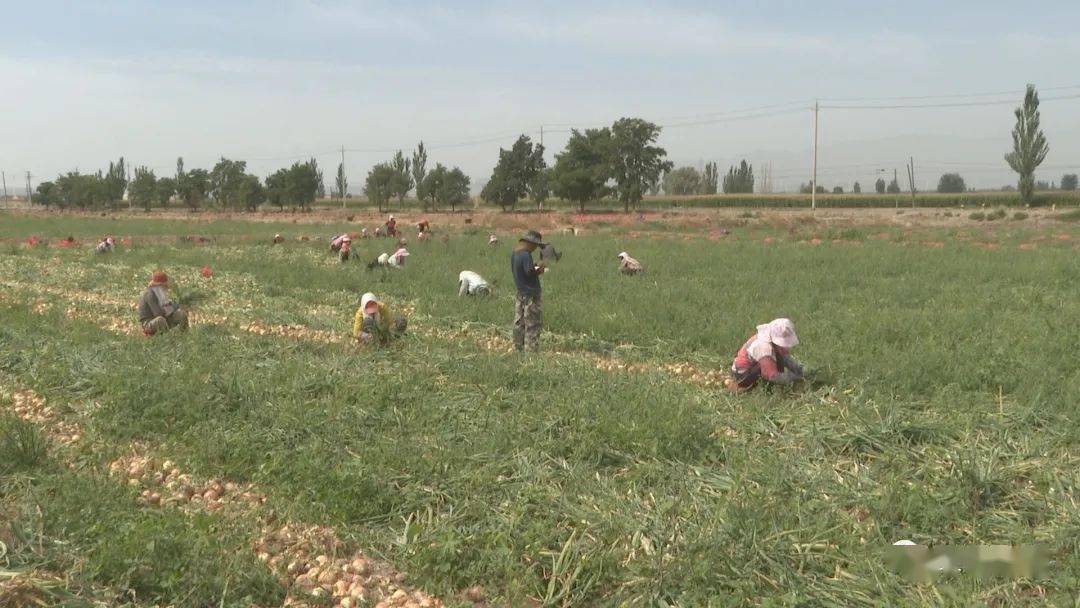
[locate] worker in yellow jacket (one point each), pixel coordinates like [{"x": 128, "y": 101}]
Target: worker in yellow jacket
[{"x": 375, "y": 323}]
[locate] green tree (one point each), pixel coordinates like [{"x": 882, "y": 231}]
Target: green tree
[
  {"x": 951, "y": 183},
  {"x": 1029, "y": 144},
  {"x": 540, "y": 187},
  {"x": 857, "y": 189},
  {"x": 302, "y": 183},
  {"x": 582, "y": 170},
  {"x": 515, "y": 174},
  {"x": 277, "y": 188},
  {"x": 1068, "y": 181},
  {"x": 682, "y": 181},
  {"x": 320, "y": 185},
  {"x": 115, "y": 182},
  {"x": 739, "y": 180},
  {"x": 380, "y": 185},
  {"x": 250, "y": 192},
  {"x": 447, "y": 187},
  {"x": 196, "y": 188},
  {"x": 710, "y": 179},
  {"x": 838, "y": 190},
  {"x": 636, "y": 162},
  {"x": 894, "y": 187},
  {"x": 402, "y": 182},
  {"x": 879, "y": 186},
  {"x": 164, "y": 191},
  {"x": 341, "y": 182},
  {"x": 225, "y": 180},
  {"x": 419, "y": 171},
  {"x": 45, "y": 194},
  {"x": 143, "y": 188}
]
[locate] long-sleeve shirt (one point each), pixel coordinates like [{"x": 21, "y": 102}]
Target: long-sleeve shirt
[
  {"x": 469, "y": 283},
  {"x": 526, "y": 277},
  {"x": 150, "y": 308},
  {"x": 630, "y": 265},
  {"x": 756, "y": 353}
]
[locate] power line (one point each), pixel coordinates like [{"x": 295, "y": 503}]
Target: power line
[
  {"x": 949, "y": 96},
  {"x": 963, "y": 104}
]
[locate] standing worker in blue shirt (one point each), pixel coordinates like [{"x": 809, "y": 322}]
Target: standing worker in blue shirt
[{"x": 528, "y": 316}]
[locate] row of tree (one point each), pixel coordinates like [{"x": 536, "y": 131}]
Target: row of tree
[
  {"x": 228, "y": 185},
  {"x": 621, "y": 160},
  {"x": 440, "y": 186}
]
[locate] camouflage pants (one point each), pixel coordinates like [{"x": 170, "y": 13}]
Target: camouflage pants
[
  {"x": 159, "y": 325},
  {"x": 528, "y": 320}
]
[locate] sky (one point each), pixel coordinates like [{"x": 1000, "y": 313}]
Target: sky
[{"x": 278, "y": 81}]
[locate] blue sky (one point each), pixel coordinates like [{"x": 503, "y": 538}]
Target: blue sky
[{"x": 269, "y": 81}]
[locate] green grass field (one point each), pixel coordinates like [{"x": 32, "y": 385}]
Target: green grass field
[{"x": 941, "y": 408}]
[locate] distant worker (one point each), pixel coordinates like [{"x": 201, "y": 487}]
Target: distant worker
[
  {"x": 492, "y": 239},
  {"x": 767, "y": 355},
  {"x": 105, "y": 246},
  {"x": 335, "y": 242},
  {"x": 423, "y": 226},
  {"x": 472, "y": 284},
  {"x": 391, "y": 227},
  {"x": 547, "y": 252},
  {"x": 528, "y": 315},
  {"x": 157, "y": 313},
  {"x": 379, "y": 232},
  {"x": 346, "y": 248},
  {"x": 423, "y": 236},
  {"x": 628, "y": 265},
  {"x": 364, "y": 233},
  {"x": 278, "y": 239},
  {"x": 375, "y": 323},
  {"x": 390, "y": 260}
]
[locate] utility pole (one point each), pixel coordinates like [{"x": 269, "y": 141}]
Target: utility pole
[
  {"x": 541, "y": 135},
  {"x": 29, "y": 193},
  {"x": 3, "y": 176},
  {"x": 343, "y": 175},
  {"x": 911, "y": 179},
  {"x": 813, "y": 181}
]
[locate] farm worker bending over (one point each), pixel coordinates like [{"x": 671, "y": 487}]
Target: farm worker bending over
[
  {"x": 105, "y": 246},
  {"x": 346, "y": 248},
  {"x": 278, "y": 239},
  {"x": 375, "y": 323},
  {"x": 492, "y": 239},
  {"x": 423, "y": 226},
  {"x": 472, "y": 284},
  {"x": 528, "y": 316},
  {"x": 157, "y": 313},
  {"x": 767, "y": 354},
  {"x": 397, "y": 259},
  {"x": 391, "y": 226},
  {"x": 628, "y": 265},
  {"x": 336, "y": 241}
]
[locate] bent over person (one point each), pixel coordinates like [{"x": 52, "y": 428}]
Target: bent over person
[
  {"x": 767, "y": 355},
  {"x": 528, "y": 315},
  {"x": 628, "y": 265},
  {"x": 472, "y": 284},
  {"x": 375, "y": 323},
  {"x": 157, "y": 313}
]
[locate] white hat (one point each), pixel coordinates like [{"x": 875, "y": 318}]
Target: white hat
[
  {"x": 780, "y": 332},
  {"x": 623, "y": 255},
  {"x": 346, "y": 239}
]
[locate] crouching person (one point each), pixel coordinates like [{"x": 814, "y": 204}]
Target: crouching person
[
  {"x": 375, "y": 323},
  {"x": 628, "y": 265},
  {"x": 472, "y": 284},
  {"x": 767, "y": 355},
  {"x": 157, "y": 313}
]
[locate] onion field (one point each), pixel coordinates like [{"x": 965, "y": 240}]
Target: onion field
[{"x": 263, "y": 458}]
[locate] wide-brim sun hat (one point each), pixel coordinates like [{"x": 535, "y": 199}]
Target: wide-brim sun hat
[
  {"x": 533, "y": 237},
  {"x": 623, "y": 255},
  {"x": 159, "y": 279},
  {"x": 782, "y": 333}
]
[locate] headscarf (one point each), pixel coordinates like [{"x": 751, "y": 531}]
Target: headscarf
[
  {"x": 366, "y": 299},
  {"x": 780, "y": 332}
]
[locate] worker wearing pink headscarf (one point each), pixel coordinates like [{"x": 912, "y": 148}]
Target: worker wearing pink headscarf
[{"x": 767, "y": 355}]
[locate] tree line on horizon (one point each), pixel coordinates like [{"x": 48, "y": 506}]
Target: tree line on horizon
[{"x": 620, "y": 161}]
